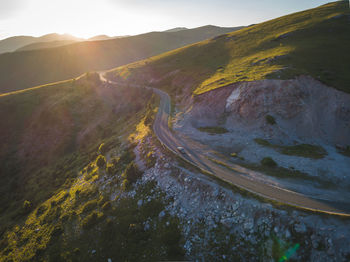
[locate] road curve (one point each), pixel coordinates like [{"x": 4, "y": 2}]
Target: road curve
[{"x": 199, "y": 159}]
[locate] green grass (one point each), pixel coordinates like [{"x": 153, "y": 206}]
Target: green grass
[
  {"x": 301, "y": 150},
  {"x": 49, "y": 133},
  {"x": 304, "y": 43},
  {"x": 213, "y": 130},
  {"x": 50, "y": 218}
]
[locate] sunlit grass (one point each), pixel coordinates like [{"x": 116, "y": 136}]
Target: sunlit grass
[{"x": 313, "y": 42}]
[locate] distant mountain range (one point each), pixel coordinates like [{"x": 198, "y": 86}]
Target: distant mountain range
[
  {"x": 20, "y": 70},
  {"x": 18, "y": 42}
]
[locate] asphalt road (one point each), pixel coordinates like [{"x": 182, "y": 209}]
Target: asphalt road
[{"x": 199, "y": 158}]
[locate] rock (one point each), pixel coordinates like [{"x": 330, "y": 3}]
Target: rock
[
  {"x": 161, "y": 214},
  {"x": 287, "y": 234},
  {"x": 248, "y": 225},
  {"x": 300, "y": 228},
  {"x": 314, "y": 243},
  {"x": 147, "y": 226}
]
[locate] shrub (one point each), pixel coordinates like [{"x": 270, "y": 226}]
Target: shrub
[
  {"x": 91, "y": 220},
  {"x": 27, "y": 206},
  {"x": 41, "y": 210},
  {"x": 131, "y": 173},
  {"x": 268, "y": 161},
  {"x": 125, "y": 185},
  {"x": 90, "y": 205},
  {"x": 270, "y": 119},
  {"x": 101, "y": 161},
  {"x": 102, "y": 149},
  {"x": 110, "y": 169},
  {"x": 107, "y": 206},
  {"x": 262, "y": 142}
]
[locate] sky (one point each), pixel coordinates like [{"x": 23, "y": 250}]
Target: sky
[{"x": 87, "y": 18}]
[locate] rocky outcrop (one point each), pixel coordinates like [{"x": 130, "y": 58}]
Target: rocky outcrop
[{"x": 304, "y": 109}]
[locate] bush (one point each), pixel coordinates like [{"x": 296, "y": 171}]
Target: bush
[
  {"x": 107, "y": 206},
  {"x": 270, "y": 119},
  {"x": 268, "y": 161},
  {"x": 102, "y": 149},
  {"x": 131, "y": 173},
  {"x": 125, "y": 185},
  {"x": 91, "y": 220},
  {"x": 90, "y": 205},
  {"x": 110, "y": 169},
  {"x": 27, "y": 206},
  {"x": 41, "y": 210},
  {"x": 101, "y": 161}
]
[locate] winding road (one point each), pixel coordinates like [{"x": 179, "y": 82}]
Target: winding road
[{"x": 198, "y": 157}]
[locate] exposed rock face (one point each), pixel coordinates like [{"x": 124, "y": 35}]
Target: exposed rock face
[{"x": 304, "y": 109}]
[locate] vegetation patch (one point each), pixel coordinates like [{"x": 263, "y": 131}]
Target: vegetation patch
[
  {"x": 345, "y": 151},
  {"x": 305, "y": 150},
  {"x": 301, "y": 150},
  {"x": 270, "y": 120},
  {"x": 268, "y": 161},
  {"x": 213, "y": 130}
]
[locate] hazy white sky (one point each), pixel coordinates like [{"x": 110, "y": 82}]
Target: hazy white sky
[{"x": 86, "y": 18}]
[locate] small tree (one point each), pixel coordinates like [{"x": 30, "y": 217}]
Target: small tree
[{"x": 101, "y": 161}]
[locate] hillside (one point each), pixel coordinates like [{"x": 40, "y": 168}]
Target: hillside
[
  {"x": 21, "y": 70},
  {"x": 65, "y": 156},
  {"x": 41, "y": 45},
  {"x": 312, "y": 42},
  {"x": 13, "y": 43}
]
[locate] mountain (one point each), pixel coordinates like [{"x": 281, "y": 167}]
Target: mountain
[
  {"x": 100, "y": 37},
  {"x": 176, "y": 29},
  {"x": 20, "y": 70},
  {"x": 13, "y": 43},
  {"x": 84, "y": 177},
  {"x": 41, "y": 45},
  {"x": 312, "y": 42}
]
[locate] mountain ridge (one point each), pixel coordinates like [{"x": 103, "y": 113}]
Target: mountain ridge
[{"x": 20, "y": 70}]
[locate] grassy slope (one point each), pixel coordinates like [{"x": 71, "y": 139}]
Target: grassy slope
[
  {"x": 20, "y": 70},
  {"x": 313, "y": 42},
  {"x": 77, "y": 205},
  {"x": 41, "y": 45},
  {"x": 47, "y": 133}
]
